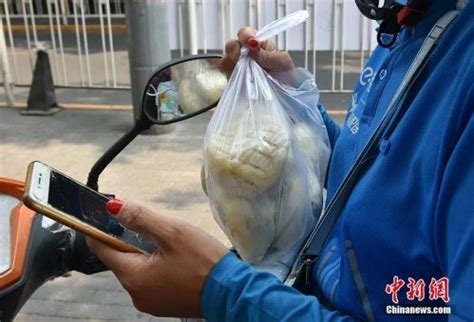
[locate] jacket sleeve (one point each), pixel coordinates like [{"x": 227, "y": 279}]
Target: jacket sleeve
[
  {"x": 454, "y": 225},
  {"x": 332, "y": 127},
  {"x": 235, "y": 292}
]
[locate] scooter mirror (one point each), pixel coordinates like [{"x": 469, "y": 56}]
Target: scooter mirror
[{"x": 183, "y": 88}]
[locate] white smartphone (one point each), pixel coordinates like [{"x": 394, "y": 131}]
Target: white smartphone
[{"x": 67, "y": 201}]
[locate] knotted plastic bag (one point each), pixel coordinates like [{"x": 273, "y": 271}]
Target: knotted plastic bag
[{"x": 266, "y": 151}]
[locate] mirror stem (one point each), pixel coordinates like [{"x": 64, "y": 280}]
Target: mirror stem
[{"x": 113, "y": 151}]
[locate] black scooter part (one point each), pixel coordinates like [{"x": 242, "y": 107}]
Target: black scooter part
[
  {"x": 47, "y": 257},
  {"x": 82, "y": 259}
]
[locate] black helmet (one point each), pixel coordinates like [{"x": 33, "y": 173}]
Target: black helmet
[{"x": 392, "y": 15}]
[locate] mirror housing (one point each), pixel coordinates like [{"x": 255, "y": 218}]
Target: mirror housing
[
  {"x": 183, "y": 88},
  {"x": 145, "y": 121}
]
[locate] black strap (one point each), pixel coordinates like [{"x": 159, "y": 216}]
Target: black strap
[{"x": 299, "y": 277}]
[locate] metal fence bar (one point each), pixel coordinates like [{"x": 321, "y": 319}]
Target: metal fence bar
[
  {"x": 204, "y": 29},
  {"x": 223, "y": 35},
  {"x": 111, "y": 42},
  {"x": 249, "y": 2},
  {"x": 193, "y": 47},
  {"x": 341, "y": 36},
  {"x": 180, "y": 27},
  {"x": 27, "y": 31},
  {"x": 305, "y": 38},
  {"x": 370, "y": 24},
  {"x": 53, "y": 38},
  {"x": 33, "y": 21},
  {"x": 6, "y": 11},
  {"x": 285, "y": 12},
  {"x": 333, "y": 79},
  {"x": 60, "y": 38},
  {"x": 78, "y": 41},
  {"x": 104, "y": 46},
  {"x": 314, "y": 39},
  {"x": 258, "y": 10},
  {"x": 231, "y": 25},
  {"x": 63, "y": 12},
  {"x": 86, "y": 44},
  {"x": 280, "y": 11},
  {"x": 7, "y": 80},
  {"x": 277, "y": 16}
]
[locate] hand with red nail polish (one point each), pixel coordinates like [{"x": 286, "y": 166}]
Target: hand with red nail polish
[
  {"x": 161, "y": 284},
  {"x": 278, "y": 63}
]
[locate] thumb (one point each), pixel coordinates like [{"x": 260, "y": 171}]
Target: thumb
[
  {"x": 278, "y": 63},
  {"x": 274, "y": 61},
  {"x": 143, "y": 221}
]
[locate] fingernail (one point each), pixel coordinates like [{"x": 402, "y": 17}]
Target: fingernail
[
  {"x": 252, "y": 42},
  {"x": 113, "y": 206}
]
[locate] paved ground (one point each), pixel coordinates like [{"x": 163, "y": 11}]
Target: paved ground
[
  {"x": 159, "y": 171},
  {"x": 81, "y": 96}
]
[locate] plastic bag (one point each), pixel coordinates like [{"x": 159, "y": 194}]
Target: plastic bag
[{"x": 266, "y": 151}]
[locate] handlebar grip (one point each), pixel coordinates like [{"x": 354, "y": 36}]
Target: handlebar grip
[{"x": 83, "y": 260}]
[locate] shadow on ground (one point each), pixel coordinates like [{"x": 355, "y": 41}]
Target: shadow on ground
[
  {"x": 99, "y": 128},
  {"x": 178, "y": 199}
]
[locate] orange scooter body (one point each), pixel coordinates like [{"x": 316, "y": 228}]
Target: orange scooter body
[
  {"x": 37, "y": 253},
  {"x": 22, "y": 222}
]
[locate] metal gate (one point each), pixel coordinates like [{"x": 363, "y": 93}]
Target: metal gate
[{"x": 88, "y": 46}]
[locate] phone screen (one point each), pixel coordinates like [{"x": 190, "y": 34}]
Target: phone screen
[{"x": 89, "y": 206}]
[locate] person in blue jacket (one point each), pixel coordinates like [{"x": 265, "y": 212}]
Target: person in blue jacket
[{"x": 405, "y": 238}]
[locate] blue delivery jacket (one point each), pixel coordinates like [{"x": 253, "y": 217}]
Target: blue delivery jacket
[{"x": 409, "y": 218}]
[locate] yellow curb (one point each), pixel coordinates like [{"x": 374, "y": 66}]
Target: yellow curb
[
  {"x": 337, "y": 113},
  {"x": 66, "y": 28},
  {"x": 79, "y": 106},
  {"x": 18, "y": 104}
]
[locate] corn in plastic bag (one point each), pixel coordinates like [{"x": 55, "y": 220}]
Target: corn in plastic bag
[{"x": 266, "y": 151}]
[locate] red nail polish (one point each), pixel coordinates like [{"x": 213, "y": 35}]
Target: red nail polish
[
  {"x": 252, "y": 42},
  {"x": 113, "y": 206}
]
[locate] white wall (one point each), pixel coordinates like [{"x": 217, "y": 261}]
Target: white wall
[{"x": 223, "y": 18}]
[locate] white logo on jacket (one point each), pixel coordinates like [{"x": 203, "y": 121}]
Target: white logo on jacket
[{"x": 367, "y": 76}]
